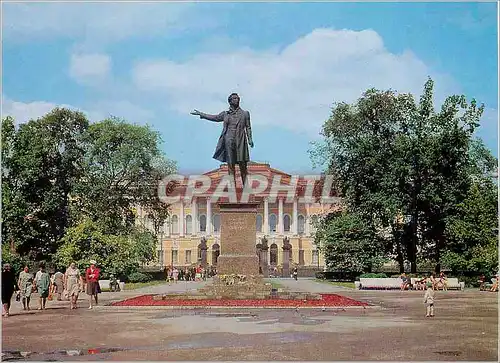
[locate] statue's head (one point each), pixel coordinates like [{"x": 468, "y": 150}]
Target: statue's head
[{"x": 234, "y": 100}]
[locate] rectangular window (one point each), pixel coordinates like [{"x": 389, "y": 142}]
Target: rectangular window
[
  {"x": 188, "y": 257},
  {"x": 315, "y": 257},
  {"x": 175, "y": 257}
]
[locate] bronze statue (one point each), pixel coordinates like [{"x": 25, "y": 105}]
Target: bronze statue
[{"x": 236, "y": 135}]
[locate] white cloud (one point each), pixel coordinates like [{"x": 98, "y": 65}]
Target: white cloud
[
  {"x": 88, "y": 68},
  {"x": 24, "y": 111},
  {"x": 292, "y": 88},
  {"x": 100, "y": 22}
]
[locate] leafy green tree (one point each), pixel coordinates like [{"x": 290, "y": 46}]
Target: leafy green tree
[
  {"x": 401, "y": 165},
  {"x": 39, "y": 168},
  {"x": 117, "y": 254},
  {"x": 349, "y": 243},
  {"x": 122, "y": 167}
]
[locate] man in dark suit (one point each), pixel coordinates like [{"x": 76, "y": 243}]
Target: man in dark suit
[{"x": 236, "y": 135}]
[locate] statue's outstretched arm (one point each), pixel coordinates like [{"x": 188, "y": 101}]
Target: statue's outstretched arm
[{"x": 206, "y": 116}]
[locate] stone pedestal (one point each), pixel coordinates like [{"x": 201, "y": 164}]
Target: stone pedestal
[{"x": 237, "y": 239}]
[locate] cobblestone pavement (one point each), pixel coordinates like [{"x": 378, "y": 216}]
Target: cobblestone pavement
[{"x": 465, "y": 328}]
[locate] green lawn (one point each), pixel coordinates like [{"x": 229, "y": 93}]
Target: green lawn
[
  {"x": 336, "y": 283},
  {"x": 138, "y": 285}
]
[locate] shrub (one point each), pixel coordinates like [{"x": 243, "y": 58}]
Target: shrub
[
  {"x": 320, "y": 275},
  {"x": 139, "y": 277},
  {"x": 373, "y": 275}
]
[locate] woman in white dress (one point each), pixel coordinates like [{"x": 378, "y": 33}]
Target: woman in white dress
[{"x": 74, "y": 284}]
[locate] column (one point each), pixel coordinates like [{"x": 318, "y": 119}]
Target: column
[
  {"x": 307, "y": 230},
  {"x": 166, "y": 226},
  {"x": 266, "y": 216},
  {"x": 295, "y": 217},
  {"x": 209, "y": 217},
  {"x": 194, "y": 215},
  {"x": 280, "y": 216},
  {"x": 181, "y": 219}
]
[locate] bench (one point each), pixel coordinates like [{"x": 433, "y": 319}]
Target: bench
[
  {"x": 380, "y": 283},
  {"x": 104, "y": 284},
  {"x": 452, "y": 283}
]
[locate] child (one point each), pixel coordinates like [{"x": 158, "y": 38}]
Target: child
[{"x": 429, "y": 300}]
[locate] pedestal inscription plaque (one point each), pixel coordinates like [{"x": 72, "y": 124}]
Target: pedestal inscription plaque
[{"x": 237, "y": 239}]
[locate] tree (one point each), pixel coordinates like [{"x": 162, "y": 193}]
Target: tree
[
  {"x": 39, "y": 169},
  {"x": 401, "y": 165},
  {"x": 117, "y": 254},
  {"x": 122, "y": 167},
  {"x": 349, "y": 243}
]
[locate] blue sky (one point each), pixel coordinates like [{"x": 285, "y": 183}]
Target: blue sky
[{"x": 154, "y": 63}]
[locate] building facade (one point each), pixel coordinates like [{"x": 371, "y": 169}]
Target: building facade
[{"x": 194, "y": 218}]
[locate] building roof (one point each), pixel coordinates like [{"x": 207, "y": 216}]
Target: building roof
[{"x": 254, "y": 168}]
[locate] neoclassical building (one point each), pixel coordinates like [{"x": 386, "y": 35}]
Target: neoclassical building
[{"x": 192, "y": 219}]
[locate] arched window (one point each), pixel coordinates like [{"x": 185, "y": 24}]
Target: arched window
[
  {"x": 175, "y": 224},
  {"x": 273, "y": 254},
  {"x": 272, "y": 223},
  {"x": 259, "y": 222},
  {"x": 286, "y": 223},
  {"x": 203, "y": 223},
  {"x": 301, "y": 220},
  {"x": 189, "y": 224},
  {"x": 216, "y": 223}
]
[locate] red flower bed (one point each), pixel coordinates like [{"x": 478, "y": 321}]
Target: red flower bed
[{"x": 327, "y": 300}]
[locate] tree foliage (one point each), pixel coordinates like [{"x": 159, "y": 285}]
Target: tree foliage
[
  {"x": 349, "y": 243},
  {"x": 403, "y": 166},
  {"x": 117, "y": 254},
  {"x": 65, "y": 179}
]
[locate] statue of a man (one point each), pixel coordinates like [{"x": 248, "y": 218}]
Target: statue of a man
[{"x": 236, "y": 135}]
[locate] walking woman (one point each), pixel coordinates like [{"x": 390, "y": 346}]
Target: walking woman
[
  {"x": 8, "y": 288},
  {"x": 25, "y": 284},
  {"x": 92, "y": 279},
  {"x": 74, "y": 284},
  {"x": 43, "y": 286}
]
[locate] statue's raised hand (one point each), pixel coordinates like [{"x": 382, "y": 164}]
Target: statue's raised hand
[{"x": 196, "y": 113}]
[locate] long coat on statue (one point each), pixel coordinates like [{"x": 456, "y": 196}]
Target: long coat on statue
[{"x": 236, "y": 126}]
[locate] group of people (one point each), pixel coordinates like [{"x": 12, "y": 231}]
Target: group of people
[
  {"x": 65, "y": 286},
  {"x": 173, "y": 274},
  {"x": 421, "y": 283}
]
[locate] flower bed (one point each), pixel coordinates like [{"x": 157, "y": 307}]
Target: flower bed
[{"x": 328, "y": 300}]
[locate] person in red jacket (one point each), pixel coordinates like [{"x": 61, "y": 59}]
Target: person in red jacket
[{"x": 92, "y": 278}]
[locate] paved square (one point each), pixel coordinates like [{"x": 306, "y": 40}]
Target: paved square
[{"x": 394, "y": 328}]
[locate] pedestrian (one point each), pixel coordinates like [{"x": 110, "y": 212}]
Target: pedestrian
[
  {"x": 175, "y": 274},
  {"x": 42, "y": 286},
  {"x": 295, "y": 273},
  {"x": 8, "y": 288},
  {"x": 58, "y": 286},
  {"x": 73, "y": 283},
  {"x": 25, "y": 285},
  {"x": 92, "y": 278},
  {"x": 429, "y": 298},
  {"x": 494, "y": 288}
]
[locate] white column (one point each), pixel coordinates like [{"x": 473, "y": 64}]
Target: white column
[
  {"x": 166, "y": 226},
  {"x": 280, "y": 216},
  {"x": 295, "y": 217},
  {"x": 209, "y": 216},
  {"x": 194, "y": 215},
  {"x": 266, "y": 216},
  {"x": 181, "y": 219},
  {"x": 307, "y": 230}
]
